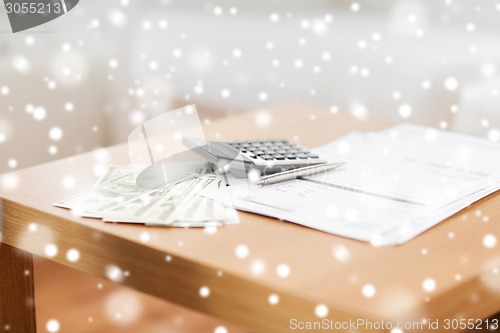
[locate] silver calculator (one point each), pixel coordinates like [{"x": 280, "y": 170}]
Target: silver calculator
[{"x": 266, "y": 156}]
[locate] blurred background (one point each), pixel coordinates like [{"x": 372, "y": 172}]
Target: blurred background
[{"x": 88, "y": 78}]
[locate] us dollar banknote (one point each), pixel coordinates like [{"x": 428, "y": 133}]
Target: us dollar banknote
[{"x": 116, "y": 198}]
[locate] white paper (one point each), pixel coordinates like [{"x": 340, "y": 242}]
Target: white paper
[{"x": 395, "y": 184}]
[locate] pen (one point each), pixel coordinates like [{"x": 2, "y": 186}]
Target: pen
[{"x": 297, "y": 173}]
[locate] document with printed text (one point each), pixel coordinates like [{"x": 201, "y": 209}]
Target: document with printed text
[{"x": 395, "y": 184}]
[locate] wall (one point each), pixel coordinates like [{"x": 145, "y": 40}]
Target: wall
[{"x": 119, "y": 63}]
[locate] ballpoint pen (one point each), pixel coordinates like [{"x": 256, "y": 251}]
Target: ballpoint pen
[{"x": 297, "y": 173}]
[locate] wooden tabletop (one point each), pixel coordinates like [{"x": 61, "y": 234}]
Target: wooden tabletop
[{"x": 174, "y": 264}]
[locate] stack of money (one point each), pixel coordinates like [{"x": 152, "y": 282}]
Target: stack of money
[{"x": 117, "y": 198}]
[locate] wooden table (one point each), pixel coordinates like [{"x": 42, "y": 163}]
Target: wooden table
[{"x": 174, "y": 264}]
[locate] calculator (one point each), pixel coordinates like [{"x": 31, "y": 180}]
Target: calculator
[{"x": 265, "y": 156}]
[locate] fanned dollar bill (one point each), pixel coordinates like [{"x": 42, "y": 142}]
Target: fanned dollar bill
[
  {"x": 101, "y": 198},
  {"x": 116, "y": 198},
  {"x": 178, "y": 204}
]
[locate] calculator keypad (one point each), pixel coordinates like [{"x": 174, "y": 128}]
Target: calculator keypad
[{"x": 279, "y": 151}]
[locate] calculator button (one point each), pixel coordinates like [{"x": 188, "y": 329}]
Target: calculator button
[
  {"x": 266, "y": 157},
  {"x": 291, "y": 156},
  {"x": 270, "y": 151},
  {"x": 279, "y": 157},
  {"x": 313, "y": 155},
  {"x": 259, "y": 152},
  {"x": 302, "y": 156},
  {"x": 281, "y": 151}
]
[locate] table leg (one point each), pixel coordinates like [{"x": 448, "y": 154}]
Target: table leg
[{"x": 17, "y": 303}]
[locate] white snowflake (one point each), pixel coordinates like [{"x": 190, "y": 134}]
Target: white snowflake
[
  {"x": 263, "y": 119},
  {"x": 218, "y": 11},
  {"x": 56, "y": 133},
  {"x": 114, "y": 273},
  {"x": 283, "y": 270},
  {"x": 52, "y": 326},
  {"x": 273, "y": 299},
  {"x": 4, "y": 90},
  {"x": 73, "y": 255},
  {"x": 113, "y": 63},
  {"x": 321, "y": 310},
  {"x": 69, "y": 182},
  {"x": 489, "y": 241},
  {"x": 146, "y": 25},
  {"x": 258, "y": 267},
  {"x": 237, "y": 53},
  {"x": 451, "y": 84},
  {"x": 39, "y": 113},
  {"x": 263, "y": 96},
  {"x": 221, "y": 329},
  {"x": 341, "y": 253},
  {"x": 274, "y": 17},
  {"x": 50, "y": 250},
  {"x": 405, "y": 110},
  {"x": 368, "y": 290},
  {"x": 242, "y": 251},
  {"x": 204, "y": 291},
  {"x": 429, "y": 285},
  {"x": 12, "y": 163}
]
